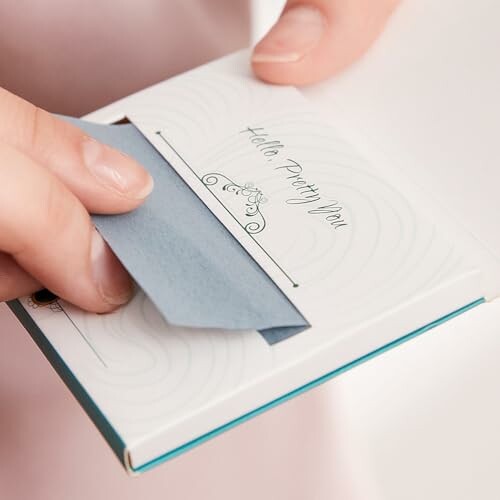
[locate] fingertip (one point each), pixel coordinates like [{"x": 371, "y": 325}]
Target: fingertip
[
  {"x": 282, "y": 56},
  {"x": 116, "y": 171},
  {"x": 316, "y": 39},
  {"x": 284, "y": 73}
]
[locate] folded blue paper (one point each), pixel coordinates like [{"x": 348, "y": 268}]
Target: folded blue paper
[{"x": 185, "y": 260}]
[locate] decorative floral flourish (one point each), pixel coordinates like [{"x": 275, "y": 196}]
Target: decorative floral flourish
[
  {"x": 254, "y": 199},
  {"x": 44, "y": 298}
]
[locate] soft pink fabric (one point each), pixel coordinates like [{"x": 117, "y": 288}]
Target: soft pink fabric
[{"x": 74, "y": 56}]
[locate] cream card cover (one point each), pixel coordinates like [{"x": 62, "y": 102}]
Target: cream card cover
[{"x": 349, "y": 248}]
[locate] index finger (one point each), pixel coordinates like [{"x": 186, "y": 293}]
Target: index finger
[{"x": 104, "y": 179}]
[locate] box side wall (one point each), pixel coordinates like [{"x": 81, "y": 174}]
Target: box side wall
[{"x": 100, "y": 421}]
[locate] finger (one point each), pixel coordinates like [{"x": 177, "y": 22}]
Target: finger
[
  {"x": 48, "y": 232},
  {"x": 105, "y": 180},
  {"x": 315, "y": 39},
  {"x": 14, "y": 281}
]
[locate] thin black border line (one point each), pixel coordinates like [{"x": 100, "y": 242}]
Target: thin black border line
[
  {"x": 84, "y": 337},
  {"x": 160, "y": 134}
]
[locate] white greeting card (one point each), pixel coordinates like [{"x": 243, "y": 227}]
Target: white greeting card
[{"x": 356, "y": 250}]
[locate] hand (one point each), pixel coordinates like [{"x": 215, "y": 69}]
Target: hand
[
  {"x": 51, "y": 176},
  {"x": 314, "y": 39}
]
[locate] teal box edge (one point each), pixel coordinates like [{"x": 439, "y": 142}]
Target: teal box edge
[{"x": 114, "y": 439}]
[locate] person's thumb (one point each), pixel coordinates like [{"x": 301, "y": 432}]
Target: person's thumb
[{"x": 315, "y": 39}]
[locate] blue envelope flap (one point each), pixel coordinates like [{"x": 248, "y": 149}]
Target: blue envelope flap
[{"x": 194, "y": 271}]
